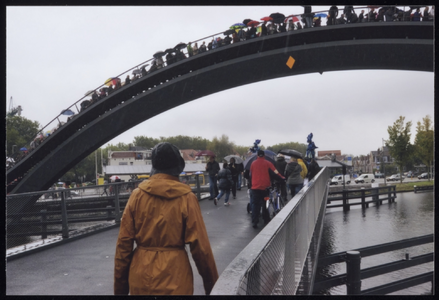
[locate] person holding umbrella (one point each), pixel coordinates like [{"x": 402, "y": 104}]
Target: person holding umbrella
[
  {"x": 212, "y": 167},
  {"x": 260, "y": 181}
]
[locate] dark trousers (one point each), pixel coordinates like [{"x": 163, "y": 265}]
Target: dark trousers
[
  {"x": 235, "y": 180},
  {"x": 258, "y": 202}
]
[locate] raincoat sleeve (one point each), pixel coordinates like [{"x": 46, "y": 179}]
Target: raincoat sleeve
[
  {"x": 196, "y": 237},
  {"x": 124, "y": 248}
]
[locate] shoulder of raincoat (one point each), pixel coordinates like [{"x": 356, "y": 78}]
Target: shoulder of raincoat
[
  {"x": 161, "y": 216},
  {"x": 304, "y": 168}
]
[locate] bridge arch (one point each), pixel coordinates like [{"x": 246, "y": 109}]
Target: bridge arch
[{"x": 394, "y": 46}]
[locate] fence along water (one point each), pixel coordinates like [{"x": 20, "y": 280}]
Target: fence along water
[
  {"x": 61, "y": 213},
  {"x": 282, "y": 259}
]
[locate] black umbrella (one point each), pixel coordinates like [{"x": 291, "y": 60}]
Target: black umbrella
[
  {"x": 246, "y": 21},
  {"x": 170, "y": 50},
  {"x": 180, "y": 46},
  {"x": 159, "y": 54},
  {"x": 249, "y": 160},
  {"x": 291, "y": 152},
  {"x": 277, "y": 17},
  {"x": 230, "y": 31}
]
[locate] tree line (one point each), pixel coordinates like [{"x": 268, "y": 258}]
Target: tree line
[{"x": 406, "y": 154}]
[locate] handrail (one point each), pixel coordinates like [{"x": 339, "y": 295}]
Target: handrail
[{"x": 41, "y": 131}]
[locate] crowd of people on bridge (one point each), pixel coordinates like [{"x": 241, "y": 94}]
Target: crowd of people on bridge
[{"x": 159, "y": 263}]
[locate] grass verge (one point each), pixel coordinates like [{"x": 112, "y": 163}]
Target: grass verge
[{"x": 409, "y": 186}]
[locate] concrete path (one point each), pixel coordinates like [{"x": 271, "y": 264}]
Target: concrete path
[{"x": 85, "y": 266}]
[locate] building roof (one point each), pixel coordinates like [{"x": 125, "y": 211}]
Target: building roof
[
  {"x": 146, "y": 169},
  {"x": 121, "y": 154},
  {"x": 328, "y": 152}
]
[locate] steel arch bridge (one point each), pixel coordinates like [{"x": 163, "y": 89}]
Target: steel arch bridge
[{"x": 382, "y": 45}]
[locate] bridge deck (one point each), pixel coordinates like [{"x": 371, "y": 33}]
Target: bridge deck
[{"x": 85, "y": 266}]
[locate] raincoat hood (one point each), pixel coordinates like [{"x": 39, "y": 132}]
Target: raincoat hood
[
  {"x": 166, "y": 158},
  {"x": 172, "y": 189}
]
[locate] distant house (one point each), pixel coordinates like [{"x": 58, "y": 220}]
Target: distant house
[{"x": 137, "y": 161}]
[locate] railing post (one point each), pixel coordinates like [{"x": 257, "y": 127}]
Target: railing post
[
  {"x": 109, "y": 208},
  {"x": 345, "y": 201},
  {"x": 353, "y": 279},
  {"x": 116, "y": 204},
  {"x": 375, "y": 197},
  {"x": 44, "y": 224},
  {"x": 65, "y": 225},
  {"x": 197, "y": 178}
]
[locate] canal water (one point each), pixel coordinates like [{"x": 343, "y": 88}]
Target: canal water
[{"x": 411, "y": 215}]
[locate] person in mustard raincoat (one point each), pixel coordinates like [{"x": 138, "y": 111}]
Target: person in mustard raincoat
[{"x": 161, "y": 216}]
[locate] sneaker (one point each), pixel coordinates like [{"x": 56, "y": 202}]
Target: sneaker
[
  {"x": 215, "y": 201},
  {"x": 226, "y": 204}
]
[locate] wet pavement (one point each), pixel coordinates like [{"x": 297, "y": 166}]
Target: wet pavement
[{"x": 85, "y": 266}]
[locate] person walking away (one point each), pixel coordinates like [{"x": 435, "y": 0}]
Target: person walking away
[
  {"x": 280, "y": 165},
  {"x": 161, "y": 216},
  {"x": 260, "y": 176},
  {"x": 313, "y": 169},
  {"x": 212, "y": 167},
  {"x": 292, "y": 173},
  {"x": 234, "y": 170},
  {"x": 224, "y": 184},
  {"x": 240, "y": 169}
]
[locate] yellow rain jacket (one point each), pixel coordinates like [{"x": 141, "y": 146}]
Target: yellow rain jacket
[
  {"x": 161, "y": 216},
  {"x": 304, "y": 168}
]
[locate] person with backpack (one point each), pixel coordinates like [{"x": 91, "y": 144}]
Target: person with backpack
[{"x": 225, "y": 182}]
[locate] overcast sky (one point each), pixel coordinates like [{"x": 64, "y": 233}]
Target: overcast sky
[{"x": 56, "y": 54}]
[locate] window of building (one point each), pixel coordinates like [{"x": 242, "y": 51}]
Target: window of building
[{"x": 123, "y": 163}]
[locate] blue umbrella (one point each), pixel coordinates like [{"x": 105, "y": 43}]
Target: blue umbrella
[
  {"x": 23, "y": 149},
  {"x": 320, "y": 15},
  {"x": 67, "y": 112},
  {"x": 238, "y": 25}
]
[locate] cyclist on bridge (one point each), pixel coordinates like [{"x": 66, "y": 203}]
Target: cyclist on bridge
[{"x": 260, "y": 178}]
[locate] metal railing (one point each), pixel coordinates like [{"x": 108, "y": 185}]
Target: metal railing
[
  {"x": 62, "y": 212},
  {"x": 282, "y": 258},
  {"x": 374, "y": 194},
  {"x": 130, "y": 70},
  {"x": 352, "y": 278}
]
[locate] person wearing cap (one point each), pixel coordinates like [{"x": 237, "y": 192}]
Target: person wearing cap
[
  {"x": 261, "y": 180},
  {"x": 161, "y": 216}
]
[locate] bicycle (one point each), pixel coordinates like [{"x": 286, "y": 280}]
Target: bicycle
[{"x": 274, "y": 201}]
